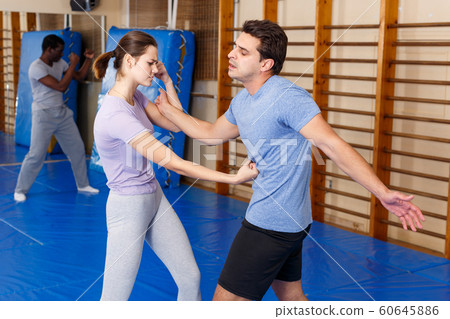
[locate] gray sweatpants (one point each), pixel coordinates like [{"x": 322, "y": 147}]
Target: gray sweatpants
[
  {"x": 130, "y": 220},
  {"x": 44, "y": 124}
]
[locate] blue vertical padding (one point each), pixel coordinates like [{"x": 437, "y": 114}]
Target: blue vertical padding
[
  {"x": 176, "y": 49},
  {"x": 31, "y": 50}
]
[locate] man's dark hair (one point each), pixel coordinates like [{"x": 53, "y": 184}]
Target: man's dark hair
[
  {"x": 273, "y": 41},
  {"x": 51, "y": 41}
]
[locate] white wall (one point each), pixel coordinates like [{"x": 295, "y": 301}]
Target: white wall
[{"x": 114, "y": 10}]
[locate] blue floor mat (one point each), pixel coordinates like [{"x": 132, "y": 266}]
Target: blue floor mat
[{"x": 52, "y": 246}]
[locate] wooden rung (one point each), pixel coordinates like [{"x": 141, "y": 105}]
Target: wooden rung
[
  {"x": 434, "y": 215},
  {"x": 301, "y": 27},
  {"x": 419, "y": 137},
  {"x": 344, "y": 210},
  {"x": 349, "y": 77},
  {"x": 238, "y": 85},
  {"x": 227, "y": 97},
  {"x": 423, "y": 175},
  {"x": 353, "y": 44},
  {"x": 422, "y": 156},
  {"x": 361, "y": 146},
  {"x": 339, "y": 110},
  {"x": 340, "y": 176},
  {"x": 352, "y": 26},
  {"x": 418, "y": 118},
  {"x": 299, "y": 59},
  {"x": 351, "y": 60},
  {"x": 416, "y": 99},
  {"x": 210, "y": 96},
  {"x": 301, "y": 43},
  {"x": 236, "y": 154},
  {"x": 352, "y": 128},
  {"x": 303, "y": 75},
  {"x": 324, "y": 156},
  {"x": 335, "y": 191},
  {"x": 420, "y": 25},
  {"x": 420, "y": 193},
  {"x": 419, "y": 62},
  {"x": 426, "y": 232},
  {"x": 411, "y": 81},
  {"x": 233, "y": 29},
  {"x": 421, "y": 43},
  {"x": 361, "y": 95}
]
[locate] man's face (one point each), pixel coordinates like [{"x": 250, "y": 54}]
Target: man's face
[
  {"x": 56, "y": 53},
  {"x": 244, "y": 63}
]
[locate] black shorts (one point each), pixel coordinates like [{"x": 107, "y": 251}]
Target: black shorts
[{"x": 258, "y": 256}]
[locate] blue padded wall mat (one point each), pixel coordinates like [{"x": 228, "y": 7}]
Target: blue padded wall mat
[
  {"x": 176, "y": 49},
  {"x": 52, "y": 246},
  {"x": 31, "y": 49}
]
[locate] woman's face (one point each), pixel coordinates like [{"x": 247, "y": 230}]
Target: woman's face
[{"x": 146, "y": 67}]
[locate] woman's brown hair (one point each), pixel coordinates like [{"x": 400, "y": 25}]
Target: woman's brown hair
[{"x": 135, "y": 43}]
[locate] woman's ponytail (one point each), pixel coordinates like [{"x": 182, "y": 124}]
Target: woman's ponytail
[{"x": 101, "y": 64}]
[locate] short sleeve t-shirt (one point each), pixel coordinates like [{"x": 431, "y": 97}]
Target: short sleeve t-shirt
[
  {"x": 45, "y": 97},
  {"x": 116, "y": 124},
  {"x": 269, "y": 123}
]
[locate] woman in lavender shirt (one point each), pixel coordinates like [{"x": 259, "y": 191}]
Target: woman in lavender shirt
[{"x": 137, "y": 209}]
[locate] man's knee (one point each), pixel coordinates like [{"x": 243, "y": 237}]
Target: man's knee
[
  {"x": 221, "y": 294},
  {"x": 288, "y": 291}
]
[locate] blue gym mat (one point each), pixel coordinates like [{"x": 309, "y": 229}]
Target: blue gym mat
[{"x": 52, "y": 247}]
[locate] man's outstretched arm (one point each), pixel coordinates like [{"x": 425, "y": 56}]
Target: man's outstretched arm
[
  {"x": 319, "y": 132},
  {"x": 209, "y": 133}
]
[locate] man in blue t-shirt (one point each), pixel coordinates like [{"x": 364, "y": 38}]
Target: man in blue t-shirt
[
  {"x": 277, "y": 120},
  {"x": 49, "y": 77}
]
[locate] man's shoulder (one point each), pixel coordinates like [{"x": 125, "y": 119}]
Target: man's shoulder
[
  {"x": 280, "y": 82},
  {"x": 38, "y": 69},
  {"x": 242, "y": 94},
  {"x": 38, "y": 63}
]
